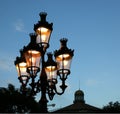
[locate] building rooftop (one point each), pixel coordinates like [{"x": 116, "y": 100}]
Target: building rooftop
[{"x": 78, "y": 105}]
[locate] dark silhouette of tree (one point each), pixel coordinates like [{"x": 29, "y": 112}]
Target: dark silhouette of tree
[
  {"x": 12, "y": 100},
  {"x": 112, "y": 107}
]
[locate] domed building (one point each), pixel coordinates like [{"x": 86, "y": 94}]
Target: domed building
[
  {"x": 78, "y": 105},
  {"x": 79, "y": 97}
]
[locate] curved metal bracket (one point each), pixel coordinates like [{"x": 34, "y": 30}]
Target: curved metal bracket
[{"x": 63, "y": 87}]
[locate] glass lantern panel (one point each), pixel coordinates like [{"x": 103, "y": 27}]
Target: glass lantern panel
[
  {"x": 21, "y": 69},
  {"x": 63, "y": 56},
  {"x": 18, "y": 70},
  {"x": 51, "y": 72},
  {"x": 64, "y": 66},
  {"x": 43, "y": 35},
  {"x": 64, "y": 61},
  {"x": 33, "y": 58}
]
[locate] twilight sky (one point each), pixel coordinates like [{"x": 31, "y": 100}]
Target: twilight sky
[{"x": 93, "y": 31}]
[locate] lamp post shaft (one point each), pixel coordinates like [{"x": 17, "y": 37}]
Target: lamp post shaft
[{"x": 43, "y": 79}]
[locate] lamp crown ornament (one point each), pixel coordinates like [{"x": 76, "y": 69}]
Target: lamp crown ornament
[
  {"x": 43, "y": 16},
  {"x": 63, "y": 42},
  {"x": 63, "y": 49},
  {"x": 50, "y": 60},
  {"x": 43, "y": 22}
]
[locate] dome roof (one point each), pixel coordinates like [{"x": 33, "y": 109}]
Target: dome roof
[
  {"x": 79, "y": 97},
  {"x": 79, "y": 92}
]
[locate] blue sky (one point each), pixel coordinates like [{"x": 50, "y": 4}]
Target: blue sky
[{"x": 93, "y": 31}]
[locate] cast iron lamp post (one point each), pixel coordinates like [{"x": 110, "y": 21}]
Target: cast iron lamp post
[{"x": 32, "y": 61}]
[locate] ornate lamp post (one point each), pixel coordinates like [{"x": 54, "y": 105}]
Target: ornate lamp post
[{"x": 32, "y": 61}]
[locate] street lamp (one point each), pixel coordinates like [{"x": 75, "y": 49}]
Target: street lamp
[
  {"x": 21, "y": 67},
  {"x": 32, "y": 61}
]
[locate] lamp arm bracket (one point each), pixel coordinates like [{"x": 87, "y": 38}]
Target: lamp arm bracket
[{"x": 56, "y": 91}]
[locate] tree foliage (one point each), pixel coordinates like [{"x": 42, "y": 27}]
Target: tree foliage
[
  {"x": 12, "y": 100},
  {"x": 112, "y": 107}
]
